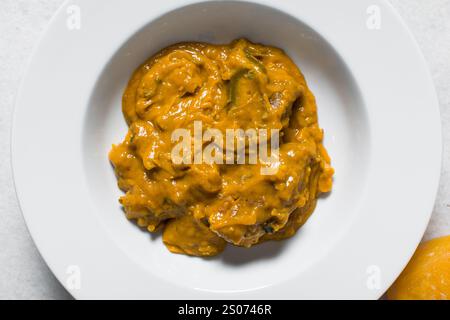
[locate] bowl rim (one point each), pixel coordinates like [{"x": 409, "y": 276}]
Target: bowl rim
[{"x": 20, "y": 146}]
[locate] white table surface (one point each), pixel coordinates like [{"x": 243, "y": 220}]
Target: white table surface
[{"x": 23, "y": 273}]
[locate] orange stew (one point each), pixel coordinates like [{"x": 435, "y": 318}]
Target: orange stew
[{"x": 202, "y": 207}]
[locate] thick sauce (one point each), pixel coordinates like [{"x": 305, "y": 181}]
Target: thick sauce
[{"x": 202, "y": 207}]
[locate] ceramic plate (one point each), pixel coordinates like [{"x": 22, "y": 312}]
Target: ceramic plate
[{"x": 376, "y": 104}]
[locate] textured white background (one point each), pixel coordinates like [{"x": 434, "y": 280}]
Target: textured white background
[{"x": 23, "y": 273}]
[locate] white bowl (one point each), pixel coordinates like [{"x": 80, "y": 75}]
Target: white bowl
[{"x": 377, "y": 107}]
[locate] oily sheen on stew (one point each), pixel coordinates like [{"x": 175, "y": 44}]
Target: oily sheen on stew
[{"x": 201, "y": 208}]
